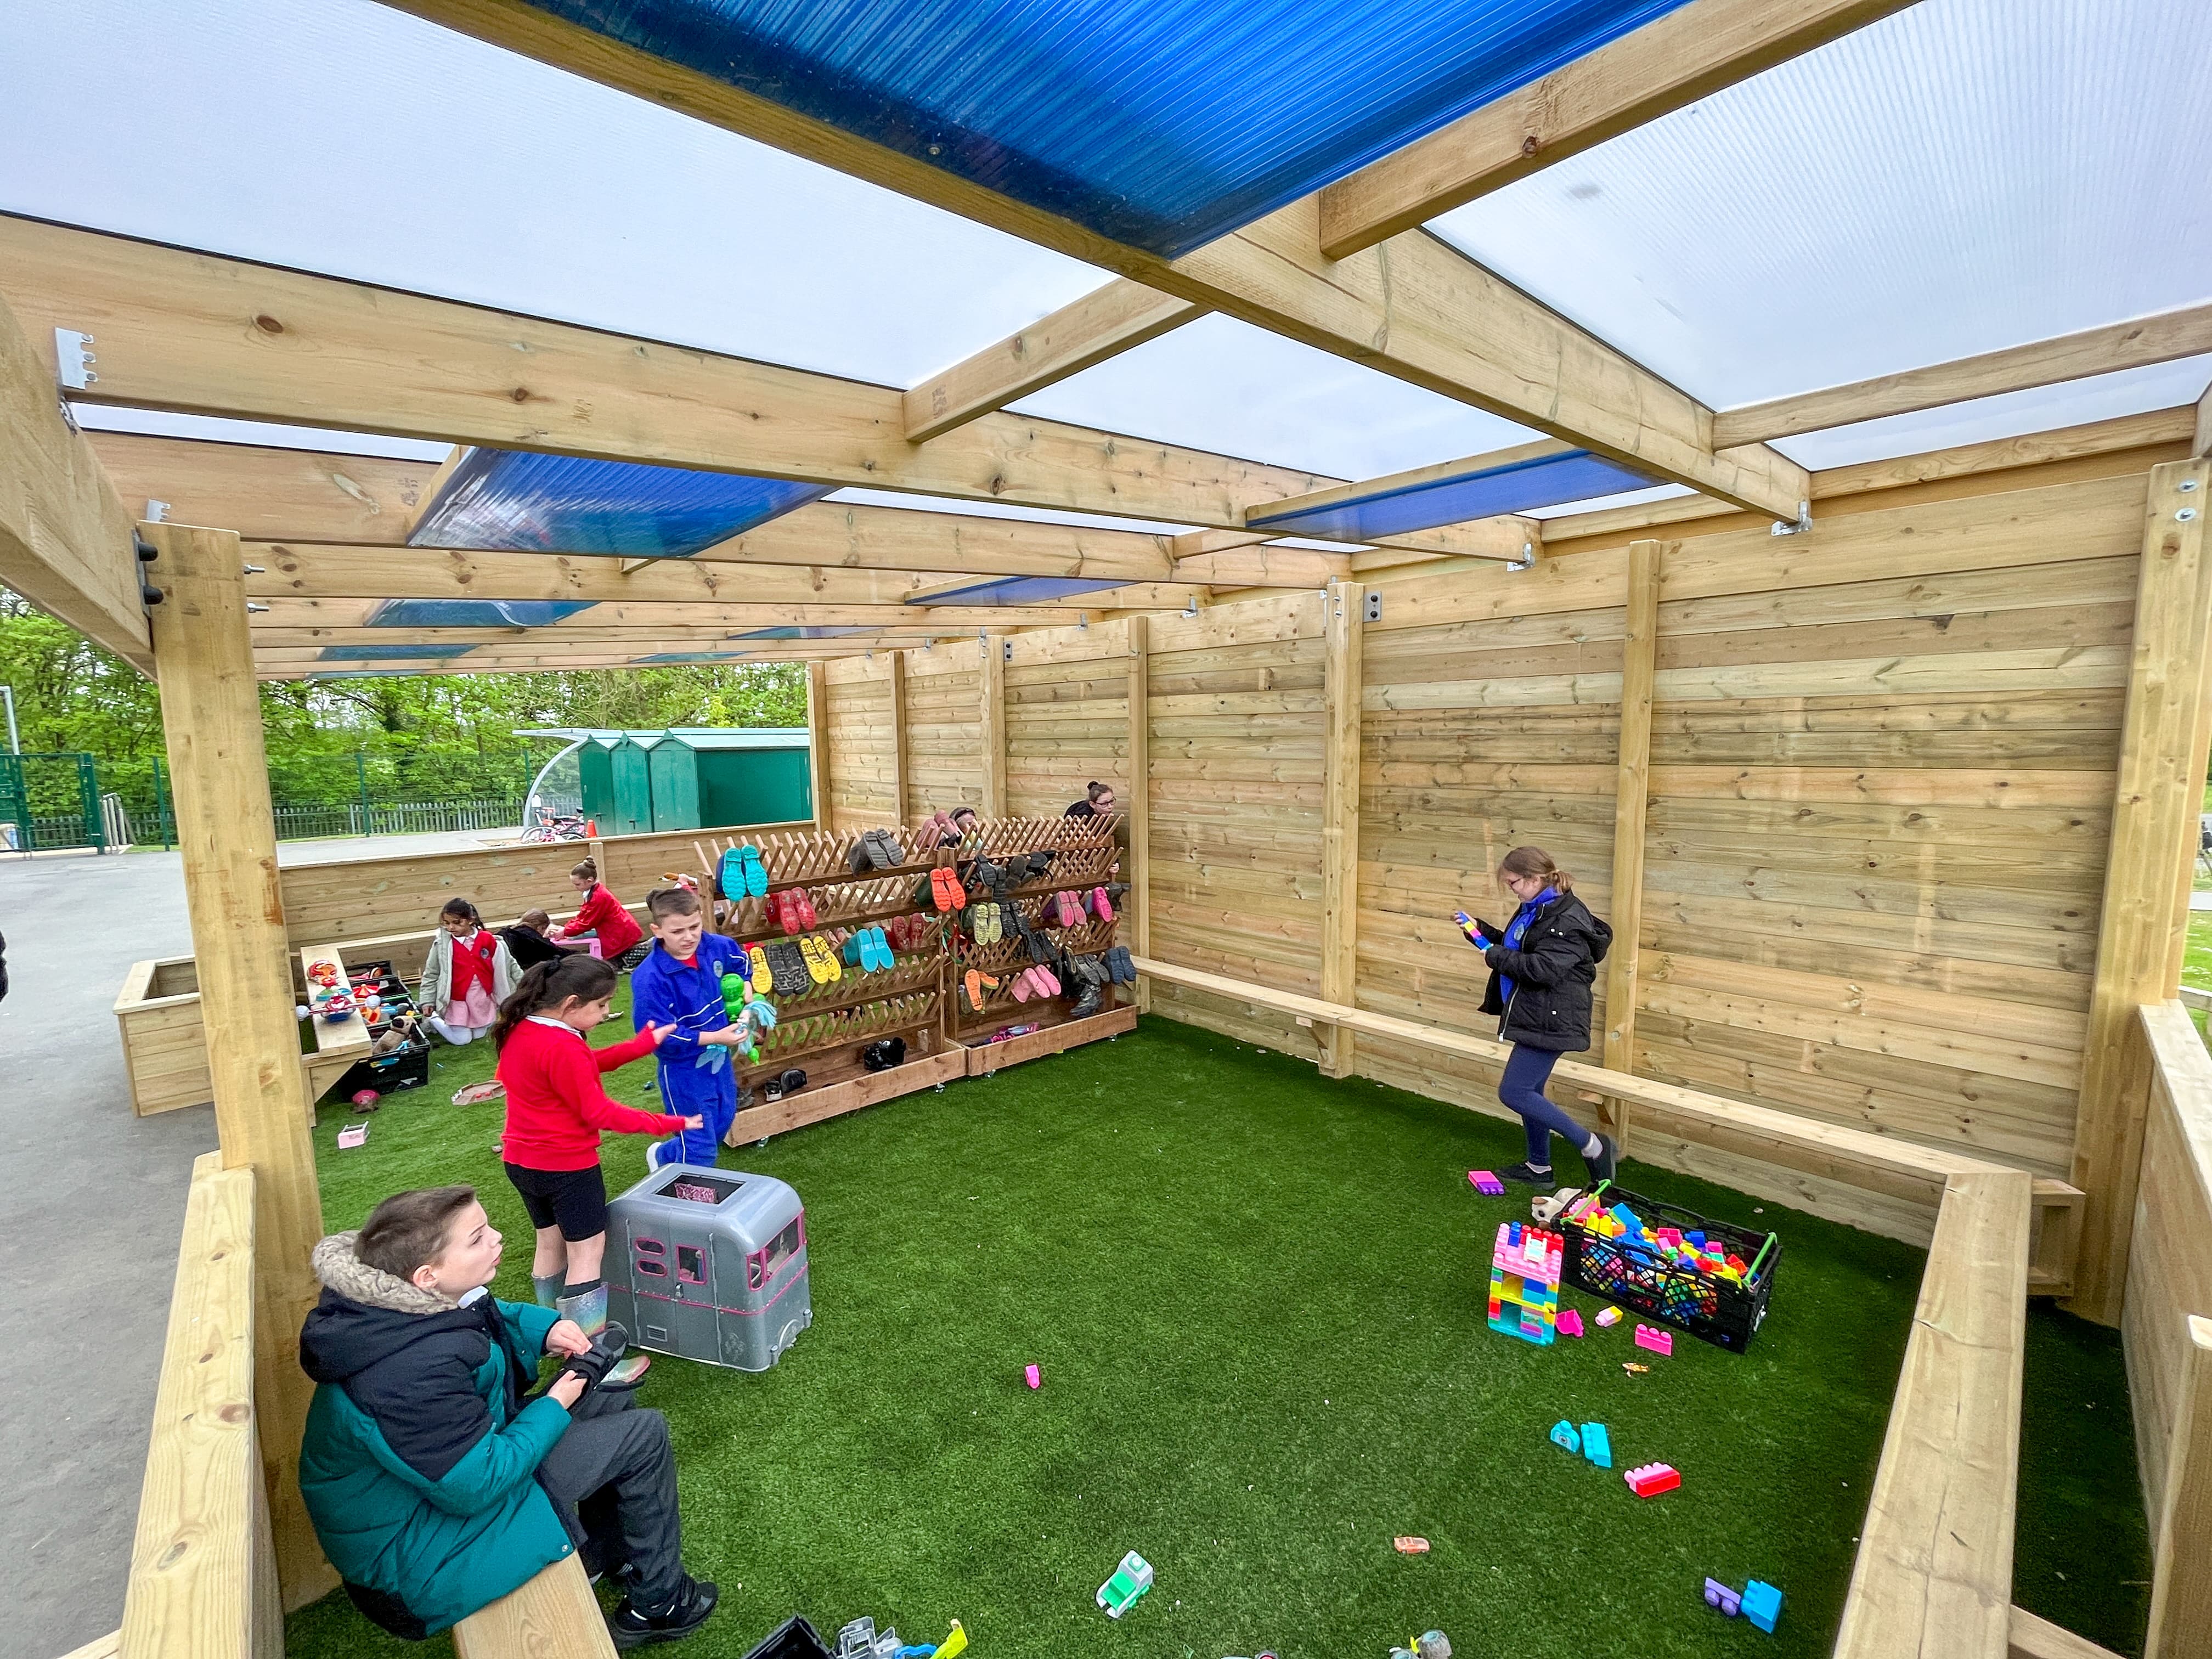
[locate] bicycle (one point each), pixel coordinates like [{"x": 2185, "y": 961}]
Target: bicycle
[{"x": 556, "y": 826}]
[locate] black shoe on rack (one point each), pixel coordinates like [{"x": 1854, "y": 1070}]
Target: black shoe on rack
[{"x": 633, "y": 1626}]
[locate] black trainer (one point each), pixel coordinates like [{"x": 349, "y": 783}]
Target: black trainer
[
  {"x": 632, "y": 1627},
  {"x": 1526, "y": 1175},
  {"x": 1602, "y": 1165}
]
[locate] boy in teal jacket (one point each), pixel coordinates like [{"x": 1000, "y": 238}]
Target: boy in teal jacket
[{"x": 434, "y": 1487}]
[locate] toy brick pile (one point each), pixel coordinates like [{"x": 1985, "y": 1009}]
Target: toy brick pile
[{"x": 1700, "y": 1262}]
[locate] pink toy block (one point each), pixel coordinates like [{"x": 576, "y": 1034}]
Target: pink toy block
[
  {"x": 1649, "y": 1480},
  {"x": 1658, "y": 1341},
  {"x": 1485, "y": 1183},
  {"x": 1570, "y": 1322},
  {"x": 1029, "y": 1375}
]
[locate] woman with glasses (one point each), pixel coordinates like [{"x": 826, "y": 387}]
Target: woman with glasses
[
  {"x": 1542, "y": 965},
  {"x": 1099, "y": 799}
]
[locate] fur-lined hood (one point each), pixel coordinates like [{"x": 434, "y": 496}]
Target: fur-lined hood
[{"x": 341, "y": 1270}]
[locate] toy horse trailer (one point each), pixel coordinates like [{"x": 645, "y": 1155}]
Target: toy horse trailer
[{"x": 710, "y": 1265}]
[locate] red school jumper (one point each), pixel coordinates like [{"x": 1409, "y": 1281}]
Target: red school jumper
[
  {"x": 604, "y": 915},
  {"x": 555, "y": 1107}
]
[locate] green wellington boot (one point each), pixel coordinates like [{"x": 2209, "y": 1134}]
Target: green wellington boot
[
  {"x": 589, "y": 1310},
  {"x": 549, "y": 1287}
]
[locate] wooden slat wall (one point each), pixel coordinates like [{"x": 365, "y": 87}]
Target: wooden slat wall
[
  {"x": 943, "y": 729},
  {"x": 1067, "y": 715},
  {"x": 863, "y": 753},
  {"x": 1236, "y": 733}
]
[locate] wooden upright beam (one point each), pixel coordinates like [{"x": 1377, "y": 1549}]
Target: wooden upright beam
[
  {"x": 1669, "y": 62},
  {"x": 1102, "y": 324},
  {"x": 2143, "y": 926},
  {"x": 991, "y": 685},
  {"x": 1137, "y": 805},
  {"x": 818, "y": 744},
  {"x": 2136, "y": 344},
  {"x": 2202, "y": 445},
  {"x": 898, "y": 735},
  {"x": 227, "y": 834},
  {"x": 1632, "y": 793},
  {"x": 64, "y": 534},
  {"x": 1344, "y": 630},
  {"x": 1413, "y": 307}
]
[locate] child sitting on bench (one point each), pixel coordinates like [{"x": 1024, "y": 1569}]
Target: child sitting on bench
[{"x": 434, "y": 1486}]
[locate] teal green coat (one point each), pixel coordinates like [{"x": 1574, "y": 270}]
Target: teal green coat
[{"x": 418, "y": 1461}]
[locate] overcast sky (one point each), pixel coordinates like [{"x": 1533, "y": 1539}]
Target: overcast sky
[{"x": 1968, "y": 174}]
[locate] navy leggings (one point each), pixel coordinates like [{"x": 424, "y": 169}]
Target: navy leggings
[{"x": 1521, "y": 1088}]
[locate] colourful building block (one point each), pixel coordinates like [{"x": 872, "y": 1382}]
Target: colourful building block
[
  {"x": 1570, "y": 1322},
  {"x": 1485, "y": 1183},
  {"x": 1598, "y": 1444},
  {"x": 1649, "y": 1480},
  {"x": 1130, "y": 1580},
  {"x": 1563, "y": 1435},
  {"x": 1719, "y": 1594},
  {"x": 1524, "y": 1282},
  {"x": 1608, "y": 1316},
  {"x": 1658, "y": 1341},
  {"x": 1762, "y": 1605}
]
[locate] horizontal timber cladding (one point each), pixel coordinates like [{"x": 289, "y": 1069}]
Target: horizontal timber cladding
[
  {"x": 1236, "y": 730},
  {"x": 944, "y": 728},
  {"x": 863, "y": 745},
  {"x": 1067, "y": 715}
]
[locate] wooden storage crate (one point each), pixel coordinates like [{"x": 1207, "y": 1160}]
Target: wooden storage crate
[{"x": 164, "y": 1041}]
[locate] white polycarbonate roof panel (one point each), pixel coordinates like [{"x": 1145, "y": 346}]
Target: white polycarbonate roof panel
[
  {"x": 1963, "y": 176},
  {"x": 346, "y": 137}
]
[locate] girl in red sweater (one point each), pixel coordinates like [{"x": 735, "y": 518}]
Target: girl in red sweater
[
  {"x": 555, "y": 1111},
  {"x": 622, "y": 941}
]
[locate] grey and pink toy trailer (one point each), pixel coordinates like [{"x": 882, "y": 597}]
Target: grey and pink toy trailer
[{"x": 710, "y": 1265}]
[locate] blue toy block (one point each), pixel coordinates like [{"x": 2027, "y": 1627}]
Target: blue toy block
[
  {"x": 1563, "y": 1436},
  {"x": 1598, "y": 1444},
  {"x": 1762, "y": 1605}
]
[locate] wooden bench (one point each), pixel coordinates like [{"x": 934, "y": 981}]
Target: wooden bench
[{"x": 554, "y": 1616}]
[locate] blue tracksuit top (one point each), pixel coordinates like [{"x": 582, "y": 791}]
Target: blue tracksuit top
[{"x": 687, "y": 999}]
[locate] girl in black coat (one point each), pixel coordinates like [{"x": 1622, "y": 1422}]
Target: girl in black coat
[{"x": 1541, "y": 968}]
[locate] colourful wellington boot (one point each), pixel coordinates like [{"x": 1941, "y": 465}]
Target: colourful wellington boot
[
  {"x": 755, "y": 873},
  {"x": 549, "y": 1287},
  {"x": 589, "y": 1310},
  {"x": 763, "y": 977}
]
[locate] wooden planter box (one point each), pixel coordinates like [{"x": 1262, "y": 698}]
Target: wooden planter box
[{"x": 164, "y": 1044}]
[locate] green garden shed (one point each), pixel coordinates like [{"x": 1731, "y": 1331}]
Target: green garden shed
[{"x": 692, "y": 777}]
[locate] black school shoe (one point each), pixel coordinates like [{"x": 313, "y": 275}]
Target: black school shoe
[
  {"x": 1527, "y": 1176},
  {"x": 632, "y": 1627},
  {"x": 1602, "y": 1166}
]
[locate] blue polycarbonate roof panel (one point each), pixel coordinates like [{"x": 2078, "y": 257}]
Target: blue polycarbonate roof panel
[
  {"x": 811, "y": 632},
  {"x": 1574, "y": 475},
  {"x": 472, "y": 613},
  {"x": 524, "y": 502},
  {"x": 1020, "y": 590},
  {"x": 667, "y": 657},
  {"x": 391, "y": 652},
  {"x": 1158, "y": 124}
]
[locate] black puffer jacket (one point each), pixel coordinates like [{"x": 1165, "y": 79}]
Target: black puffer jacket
[{"x": 1552, "y": 975}]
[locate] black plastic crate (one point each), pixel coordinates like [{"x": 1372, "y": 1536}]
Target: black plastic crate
[
  {"x": 794, "y": 1638},
  {"x": 407, "y": 1066},
  {"x": 1623, "y": 1270}
]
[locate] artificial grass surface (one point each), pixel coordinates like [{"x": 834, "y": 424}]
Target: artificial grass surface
[{"x": 1257, "y": 1297}]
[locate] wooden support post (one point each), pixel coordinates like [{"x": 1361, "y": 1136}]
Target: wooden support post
[
  {"x": 1138, "y": 804},
  {"x": 2144, "y": 923},
  {"x": 993, "y": 684},
  {"x": 817, "y": 746},
  {"x": 898, "y": 736},
  {"x": 1339, "y": 818},
  {"x": 1639, "y": 654},
  {"x": 2181, "y": 1593},
  {"x": 211, "y": 714}
]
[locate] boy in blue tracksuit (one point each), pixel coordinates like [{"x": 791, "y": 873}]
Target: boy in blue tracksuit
[{"x": 679, "y": 987}]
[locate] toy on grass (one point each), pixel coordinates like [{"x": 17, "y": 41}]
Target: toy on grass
[
  {"x": 1649, "y": 1480},
  {"x": 475, "y": 1094},
  {"x": 1570, "y": 1322},
  {"x": 355, "y": 1136},
  {"x": 1565, "y": 1438},
  {"x": 955, "y": 1642},
  {"x": 1608, "y": 1316},
  {"x": 1130, "y": 1580},
  {"x": 1029, "y": 1376},
  {"x": 1719, "y": 1594},
  {"x": 1657, "y": 1340},
  {"x": 1524, "y": 1283},
  {"x": 858, "y": 1640},
  {"x": 1410, "y": 1546},
  {"x": 364, "y": 1100},
  {"x": 1598, "y": 1444},
  {"x": 1632, "y": 1368},
  {"x": 1485, "y": 1183},
  {"x": 1762, "y": 1605},
  {"x": 1429, "y": 1645}
]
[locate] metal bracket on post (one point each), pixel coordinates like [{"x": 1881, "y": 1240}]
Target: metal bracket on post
[
  {"x": 147, "y": 552},
  {"x": 1006, "y": 651},
  {"x": 1372, "y": 612},
  {"x": 1804, "y": 522},
  {"x": 73, "y": 363},
  {"x": 1527, "y": 559}
]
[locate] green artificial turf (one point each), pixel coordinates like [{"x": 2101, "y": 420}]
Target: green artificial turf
[{"x": 1257, "y": 1297}]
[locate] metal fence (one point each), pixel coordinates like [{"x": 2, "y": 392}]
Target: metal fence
[{"x": 413, "y": 817}]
